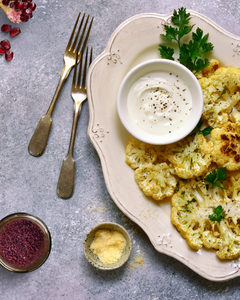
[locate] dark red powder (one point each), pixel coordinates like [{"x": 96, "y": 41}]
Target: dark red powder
[{"x": 22, "y": 243}]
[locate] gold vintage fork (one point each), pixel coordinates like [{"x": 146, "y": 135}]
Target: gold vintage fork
[
  {"x": 39, "y": 139},
  {"x": 65, "y": 184}
]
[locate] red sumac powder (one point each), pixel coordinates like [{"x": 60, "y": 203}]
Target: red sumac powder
[{"x": 22, "y": 243}]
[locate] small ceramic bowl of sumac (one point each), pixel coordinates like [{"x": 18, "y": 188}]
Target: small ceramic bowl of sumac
[{"x": 25, "y": 242}]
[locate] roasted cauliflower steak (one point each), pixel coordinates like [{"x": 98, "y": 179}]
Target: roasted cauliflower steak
[
  {"x": 221, "y": 92},
  {"x": 156, "y": 180},
  {"x": 191, "y": 207},
  {"x": 139, "y": 154},
  {"x": 190, "y": 156}
]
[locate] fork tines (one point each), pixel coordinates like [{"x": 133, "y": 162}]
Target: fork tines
[
  {"x": 72, "y": 44},
  {"x": 85, "y": 67}
]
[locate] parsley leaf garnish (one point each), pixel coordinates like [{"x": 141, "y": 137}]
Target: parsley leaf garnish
[
  {"x": 218, "y": 214},
  {"x": 166, "y": 52},
  {"x": 215, "y": 176},
  {"x": 181, "y": 20},
  {"x": 190, "y": 54},
  {"x": 204, "y": 132},
  {"x": 188, "y": 202}
]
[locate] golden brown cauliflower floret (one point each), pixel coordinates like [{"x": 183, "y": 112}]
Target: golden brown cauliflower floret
[
  {"x": 226, "y": 146},
  {"x": 230, "y": 247},
  {"x": 227, "y": 71},
  {"x": 156, "y": 181},
  {"x": 190, "y": 157},
  {"x": 209, "y": 70},
  {"x": 161, "y": 153},
  {"x": 233, "y": 184},
  {"x": 235, "y": 114},
  {"x": 191, "y": 208},
  {"x": 139, "y": 154},
  {"x": 221, "y": 93}
]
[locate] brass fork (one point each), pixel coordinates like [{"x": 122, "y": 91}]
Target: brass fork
[
  {"x": 65, "y": 184},
  {"x": 39, "y": 139}
]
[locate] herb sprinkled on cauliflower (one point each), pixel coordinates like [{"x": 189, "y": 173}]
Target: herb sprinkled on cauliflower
[
  {"x": 190, "y": 157},
  {"x": 207, "y": 218},
  {"x": 139, "y": 154},
  {"x": 156, "y": 180},
  {"x": 218, "y": 105}
]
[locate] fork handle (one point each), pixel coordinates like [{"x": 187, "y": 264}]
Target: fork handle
[
  {"x": 39, "y": 139},
  {"x": 65, "y": 184},
  {"x": 64, "y": 75},
  {"x": 76, "y": 114},
  {"x": 66, "y": 178}
]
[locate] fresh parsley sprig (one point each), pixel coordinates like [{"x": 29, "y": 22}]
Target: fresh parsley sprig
[
  {"x": 181, "y": 20},
  {"x": 190, "y": 54},
  {"x": 215, "y": 176},
  {"x": 218, "y": 214}
]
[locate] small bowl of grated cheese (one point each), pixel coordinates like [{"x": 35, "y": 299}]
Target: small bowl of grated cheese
[
  {"x": 107, "y": 246},
  {"x": 160, "y": 101}
]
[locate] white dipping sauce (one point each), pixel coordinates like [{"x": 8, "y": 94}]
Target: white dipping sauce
[{"x": 159, "y": 103}]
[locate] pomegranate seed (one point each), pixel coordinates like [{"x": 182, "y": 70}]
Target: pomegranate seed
[
  {"x": 15, "y": 6},
  {"x": 18, "y": 6},
  {"x": 25, "y": 5},
  {"x": 15, "y": 31},
  {"x": 9, "y": 55},
  {"x": 5, "y": 44},
  {"x": 5, "y": 2},
  {"x": 2, "y": 51},
  {"x": 12, "y": 5},
  {"x": 6, "y": 28},
  {"x": 29, "y": 1},
  {"x": 33, "y": 6},
  {"x": 26, "y": 12},
  {"x": 24, "y": 18}
]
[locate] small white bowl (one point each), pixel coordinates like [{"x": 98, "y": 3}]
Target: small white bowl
[{"x": 160, "y": 65}]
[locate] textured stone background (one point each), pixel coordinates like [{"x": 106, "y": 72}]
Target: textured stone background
[{"x": 28, "y": 184}]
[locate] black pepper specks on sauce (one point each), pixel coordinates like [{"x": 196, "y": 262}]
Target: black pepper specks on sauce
[{"x": 160, "y": 102}]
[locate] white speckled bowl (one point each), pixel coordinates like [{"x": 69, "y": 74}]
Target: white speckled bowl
[
  {"x": 164, "y": 65},
  {"x": 93, "y": 259}
]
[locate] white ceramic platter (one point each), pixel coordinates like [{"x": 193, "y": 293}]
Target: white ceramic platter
[{"x": 133, "y": 42}]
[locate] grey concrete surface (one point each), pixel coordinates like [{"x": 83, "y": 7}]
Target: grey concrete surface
[{"x": 28, "y": 184}]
